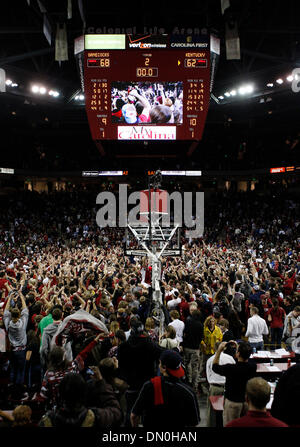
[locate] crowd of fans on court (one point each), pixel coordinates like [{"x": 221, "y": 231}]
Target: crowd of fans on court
[
  {"x": 145, "y": 102},
  {"x": 80, "y": 345}
]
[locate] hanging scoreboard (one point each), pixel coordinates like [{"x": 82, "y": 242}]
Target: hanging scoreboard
[{"x": 154, "y": 87}]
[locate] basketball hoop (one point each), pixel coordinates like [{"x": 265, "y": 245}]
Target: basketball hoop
[{"x": 152, "y": 239}]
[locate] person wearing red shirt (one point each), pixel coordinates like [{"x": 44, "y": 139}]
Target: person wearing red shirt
[
  {"x": 11, "y": 272},
  {"x": 266, "y": 305},
  {"x": 258, "y": 393},
  {"x": 183, "y": 307},
  {"x": 289, "y": 280},
  {"x": 276, "y": 317},
  {"x": 3, "y": 282}
]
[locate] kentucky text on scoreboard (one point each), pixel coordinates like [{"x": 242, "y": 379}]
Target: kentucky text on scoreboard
[{"x": 146, "y": 87}]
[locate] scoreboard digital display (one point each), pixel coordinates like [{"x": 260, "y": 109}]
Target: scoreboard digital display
[{"x": 146, "y": 87}]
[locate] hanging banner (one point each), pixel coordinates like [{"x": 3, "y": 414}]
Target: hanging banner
[
  {"x": 2, "y": 340},
  {"x": 69, "y": 9},
  {"x": 61, "y": 43},
  {"x": 224, "y": 5},
  {"x": 214, "y": 58},
  {"x": 42, "y": 7},
  {"x": 2, "y": 81},
  {"x": 81, "y": 10},
  {"x": 232, "y": 42},
  {"x": 47, "y": 30}
]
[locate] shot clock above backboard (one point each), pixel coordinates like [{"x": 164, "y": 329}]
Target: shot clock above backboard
[{"x": 152, "y": 87}]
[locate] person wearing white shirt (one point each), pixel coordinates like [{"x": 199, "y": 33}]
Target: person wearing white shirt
[
  {"x": 217, "y": 382},
  {"x": 256, "y": 329},
  {"x": 172, "y": 304},
  {"x": 291, "y": 326},
  {"x": 177, "y": 324}
]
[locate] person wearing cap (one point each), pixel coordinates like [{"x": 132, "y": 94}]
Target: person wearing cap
[
  {"x": 166, "y": 401},
  {"x": 256, "y": 329}
]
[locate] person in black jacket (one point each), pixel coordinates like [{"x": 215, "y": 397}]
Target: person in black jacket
[
  {"x": 166, "y": 401},
  {"x": 285, "y": 405},
  {"x": 227, "y": 333},
  {"x": 192, "y": 336},
  {"x": 138, "y": 361},
  {"x": 237, "y": 376}
]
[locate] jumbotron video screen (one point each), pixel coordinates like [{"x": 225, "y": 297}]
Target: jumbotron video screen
[{"x": 154, "y": 87}]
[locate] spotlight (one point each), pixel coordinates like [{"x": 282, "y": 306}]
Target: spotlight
[
  {"x": 246, "y": 89},
  {"x": 8, "y": 82},
  {"x": 233, "y": 92},
  {"x": 290, "y": 78},
  {"x": 81, "y": 97},
  {"x": 227, "y": 94},
  {"x": 14, "y": 84},
  {"x": 35, "y": 89},
  {"x": 42, "y": 90},
  {"x": 270, "y": 84},
  {"x": 279, "y": 81},
  {"x": 53, "y": 93},
  {"x": 221, "y": 97}
]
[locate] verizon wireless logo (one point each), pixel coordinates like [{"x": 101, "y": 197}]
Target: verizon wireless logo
[
  {"x": 140, "y": 43},
  {"x": 144, "y": 45}
]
